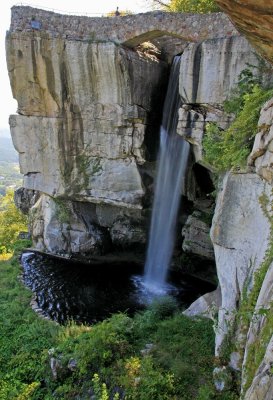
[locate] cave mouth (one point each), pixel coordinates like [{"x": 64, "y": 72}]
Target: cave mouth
[{"x": 65, "y": 291}]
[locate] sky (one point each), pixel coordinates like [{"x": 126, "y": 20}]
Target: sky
[{"x": 97, "y": 7}]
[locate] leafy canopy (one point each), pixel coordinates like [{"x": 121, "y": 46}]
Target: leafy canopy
[
  {"x": 230, "y": 148},
  {"x": 12, "y": 221},
  {"x": 188, "y": 6}
]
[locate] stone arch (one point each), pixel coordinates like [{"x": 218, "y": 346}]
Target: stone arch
[
  {"x": 148, "y": 36},
  {"x": 138, "y": 28}
]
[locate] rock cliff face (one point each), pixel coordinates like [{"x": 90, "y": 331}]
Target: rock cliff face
[
  {"x": 239, "y": 250},
  {"x": 242, "y": 235},
  {"x": 89, "y": 112},
  {"x": 84, "y": 118},
  {"x": 254, "y": 19},
  {"x": 209, "y": 71}
]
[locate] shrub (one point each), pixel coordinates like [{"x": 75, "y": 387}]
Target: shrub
[
  {"x": 163, "y": 307},
  {"x": 12, "y": 221},
  {"x": 187, "y": 6},
  {"x": 193, "y": 6},
  {"x": 229, "y": 149}
]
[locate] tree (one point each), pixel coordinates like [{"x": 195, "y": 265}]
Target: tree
[
  {"x": 12, "y": 221},
  {"x": 188, "y": 6}
]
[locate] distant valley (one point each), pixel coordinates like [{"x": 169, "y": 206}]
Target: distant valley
[{"x": 9, "y": 166}]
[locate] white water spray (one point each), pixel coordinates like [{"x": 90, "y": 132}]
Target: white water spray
[{"x": 173, "y": 157}]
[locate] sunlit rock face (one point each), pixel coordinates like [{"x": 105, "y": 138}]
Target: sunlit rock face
[
  {"x": 255, "y": 20},
  {"x": 240, "y": 234},
  {"x": 209, "y": 73},
  {"x": 83, "y": 116},
  {"x": 209, "y": 70},
  {"x": 85, "y": 112}
]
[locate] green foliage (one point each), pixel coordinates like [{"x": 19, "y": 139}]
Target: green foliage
[
  {"x": 145, "y": 380},
  {"x": 23, "y": 338},
  {"x": 100, "y": 389},
  {"x": 230, "y": 149},
  {"x": 12, "y": 221},
  {"x": 104, "y": 343},
  {"x": 193, "y": 6},
  {"x": 158, "y": 355},
  {"x": 246, "y": 83},
  {"x": 182, "y": 355},
  {"x": 163, "y": 307},
  {"x": 63, "y": 213},
  {"x": 187, "y": 6}
]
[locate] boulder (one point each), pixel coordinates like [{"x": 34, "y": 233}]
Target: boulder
[
  {"x": 196, "y": 236},
  {"x": 206, "y": 305},
  {"x": 25, "y": 199}
]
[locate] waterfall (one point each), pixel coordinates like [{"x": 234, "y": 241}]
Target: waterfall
[{"x": 172, "y": 164}]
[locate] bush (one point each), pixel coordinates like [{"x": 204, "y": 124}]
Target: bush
[
  {"x": 230, "y": 148},
  {"x": 193, "y": 6},
  {"x": 176, "y": 363},
  {"x": 12, "y": 221},
  {"x": 187, "y": 6},
  {"x": 163, "y": 307}
]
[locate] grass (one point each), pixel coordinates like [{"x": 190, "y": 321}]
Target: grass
[
  {"x": 109, "y": 361},
  {"x": 23, "y": 337}
]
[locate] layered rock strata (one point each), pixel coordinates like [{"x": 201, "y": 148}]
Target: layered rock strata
[
  {"x": 239, "y": 250},
  {"x": 85, "y": 102},
  {"x": 84, "y": 117},
  {"x": 209, "y": 72},
  {"x": 89, "y": 112},
  {"x": 241, "y": 231}
]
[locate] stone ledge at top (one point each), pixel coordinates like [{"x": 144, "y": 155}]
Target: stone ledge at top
[
  {"x": 254, "y": 19},
  {"x": 129, "y": 30}
]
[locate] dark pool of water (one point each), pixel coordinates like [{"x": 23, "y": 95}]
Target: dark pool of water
[{"x": 89, "y": 293}]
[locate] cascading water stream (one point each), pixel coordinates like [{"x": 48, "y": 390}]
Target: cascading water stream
[{"x": 173, "y": 157}]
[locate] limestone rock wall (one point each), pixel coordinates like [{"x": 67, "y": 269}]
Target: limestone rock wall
[
  {"x": 209, "y": 71},
  {"x": 240, "y": 234},
  {"x": 91, "y": 115},
  {"x": 83, "y": 230},
  {"x": 260, "y": 340},
  {"x": 85, "y": 110},
  {"x": 241, "y": 231}
]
